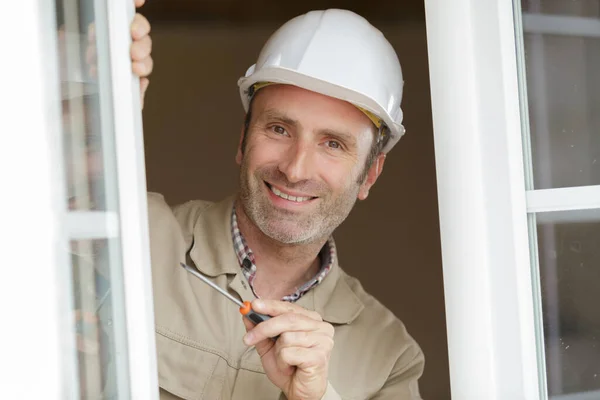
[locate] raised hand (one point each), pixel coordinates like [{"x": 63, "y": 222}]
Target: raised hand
[{"x": 298, "y": 361}]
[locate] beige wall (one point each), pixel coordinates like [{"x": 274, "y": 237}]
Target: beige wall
[{"x": 193, "y": 118}]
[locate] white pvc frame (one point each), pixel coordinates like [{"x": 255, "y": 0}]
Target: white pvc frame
[
  {"x": 561, "y": 25},
  {"x": 92, "y": 225},
  {"x": 31, "y": 362},
  {"x": 489, "y": 287},
  {"x": 491, "y": 276},
  {"x": 133, "y": 207},
  {"x": 563, "y": 199},
  {"x": 36, "y": 227}
]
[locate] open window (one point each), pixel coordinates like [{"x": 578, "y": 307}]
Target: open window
[
  {"x": 80, "y": 272},
  {"x": 515, "y": 89}
]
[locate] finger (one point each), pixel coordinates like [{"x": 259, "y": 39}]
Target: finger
[
  {"x": 247, "y": 324},
  {"x": 139, "y": 3},
  {"x": 290, "y": 322},
  {"x": 304, "y": 339},
  {"x": 141, "y": 49},
  {"x": 262, "y": 347},
  {"x": 301, "y": 357},
  {"x": 318, "y": 343},
  {"x": 143, "y": 68},
  {"x": 277, "y": 307},
  {"x": 144, "y": 82},
  {"x": 284, "y": 366},
  {"x": 140, "y": 27}
]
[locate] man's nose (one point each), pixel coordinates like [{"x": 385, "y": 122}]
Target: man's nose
[{"x": 297, "y": 162}]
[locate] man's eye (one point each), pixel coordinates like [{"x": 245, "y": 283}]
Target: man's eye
[
  {"x": 332, "y": 144},
  {"x": 279, "y": 130}
]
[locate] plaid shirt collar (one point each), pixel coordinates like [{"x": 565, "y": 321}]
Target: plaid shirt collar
[{"x": 247, "y": 261}]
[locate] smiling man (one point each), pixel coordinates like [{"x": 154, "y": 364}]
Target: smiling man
[{"x": 323, "y": 110}]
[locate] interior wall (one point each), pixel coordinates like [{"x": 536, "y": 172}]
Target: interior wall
[{"x": 192, "y": 121}]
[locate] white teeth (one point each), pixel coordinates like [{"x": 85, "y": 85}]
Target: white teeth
[
  {"x": 279, "y": 193},
  {"x": 297, "y": 199}
]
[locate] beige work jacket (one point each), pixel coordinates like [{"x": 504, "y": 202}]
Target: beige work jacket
[{"x": 199, "y": 332}]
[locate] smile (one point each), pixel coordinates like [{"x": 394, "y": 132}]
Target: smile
[{"x": 289, "y": 197}]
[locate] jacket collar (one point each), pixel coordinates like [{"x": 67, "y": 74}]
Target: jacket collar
[
  {"x": 213, "y": 254},
  {"x": 212, "y": 250}
]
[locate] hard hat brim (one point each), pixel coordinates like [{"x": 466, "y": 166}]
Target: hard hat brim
[{"x": 287, "y": 76}]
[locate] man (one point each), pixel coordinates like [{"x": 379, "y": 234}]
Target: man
[{"x": 323, "y": 110}]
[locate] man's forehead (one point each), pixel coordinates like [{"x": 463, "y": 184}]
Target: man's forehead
[
  {"x": 277, "y": 92},
  {"x": 293, "y": 102}
]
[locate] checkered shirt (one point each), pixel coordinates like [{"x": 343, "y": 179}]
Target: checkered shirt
[{"x": 247, "y": 261}]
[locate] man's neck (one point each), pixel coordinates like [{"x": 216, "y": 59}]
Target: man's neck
[{"x": 281, "y": 268}]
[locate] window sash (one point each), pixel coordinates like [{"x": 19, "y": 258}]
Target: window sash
[
  {"x": 561, "y": 25},
  {"x": 92, "y": 225},
  {"x": 133, "y": 209},
  {"x": 35, "y": 209},
  {"x": 492, "y": 302},
  {"x": 487, "y": 217},
  {"x": 563, "y": 199},
  {"x": 30, "y": 213}
]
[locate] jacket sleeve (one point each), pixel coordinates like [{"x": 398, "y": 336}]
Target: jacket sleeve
[
  {"x": 330, "y": 394},
  {"x": 403, "y": 382}
]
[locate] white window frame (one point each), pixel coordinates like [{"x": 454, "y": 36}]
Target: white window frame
[
  {"x": 561, "y": 25},
  {"x": 491, "y": 278},
  {"x": 483, "y": 225},
  {"x": 133, "y": 206},
  {"x": 28, "y": 207},
  {"x": 36, "y": 226}
]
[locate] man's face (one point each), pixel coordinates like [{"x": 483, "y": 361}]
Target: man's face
[{"x": 299, "y": 170}]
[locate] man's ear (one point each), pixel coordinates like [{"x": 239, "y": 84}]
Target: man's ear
[
  {"x": 372, "y": 176},
  {"x": 240, "y": 154}
]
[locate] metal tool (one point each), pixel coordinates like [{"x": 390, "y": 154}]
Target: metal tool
[{"x": 245, "y": 307}]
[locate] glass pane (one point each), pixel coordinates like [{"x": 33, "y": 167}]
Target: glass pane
[
  {"x": 95, "y": 323},
  {"x": 563, "y": 91},
  {"x": 569, "y": 261},
  {"x": 576, "y": 8},
  {"x": 96, "y": 294},
  {"x": 90, "y": 175}
]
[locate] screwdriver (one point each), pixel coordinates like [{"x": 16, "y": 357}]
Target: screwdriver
[{"x": 245, "y": 307}]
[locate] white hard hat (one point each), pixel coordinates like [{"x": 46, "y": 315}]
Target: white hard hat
[{"x": 339, "y": 54}]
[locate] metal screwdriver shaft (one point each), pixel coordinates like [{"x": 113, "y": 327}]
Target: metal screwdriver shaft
[
  {"x": 245, "y": 307},
  {"x": 194, "y": 272}
]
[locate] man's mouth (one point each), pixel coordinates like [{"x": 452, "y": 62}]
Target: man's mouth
[{"x": 288, "y": 196}]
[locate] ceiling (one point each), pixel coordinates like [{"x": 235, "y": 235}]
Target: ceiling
[{"x": 276, "y": 11}]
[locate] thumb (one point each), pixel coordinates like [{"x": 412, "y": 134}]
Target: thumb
[{"x": 144, "y": 82}]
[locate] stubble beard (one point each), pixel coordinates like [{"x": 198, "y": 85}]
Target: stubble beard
[{"x": 289, "y": 227}]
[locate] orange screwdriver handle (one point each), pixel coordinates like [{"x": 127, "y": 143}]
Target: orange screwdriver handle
[{"x": 247, "y": 311}]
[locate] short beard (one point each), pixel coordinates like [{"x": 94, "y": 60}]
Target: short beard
[{"x": 318, "y": 226}]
